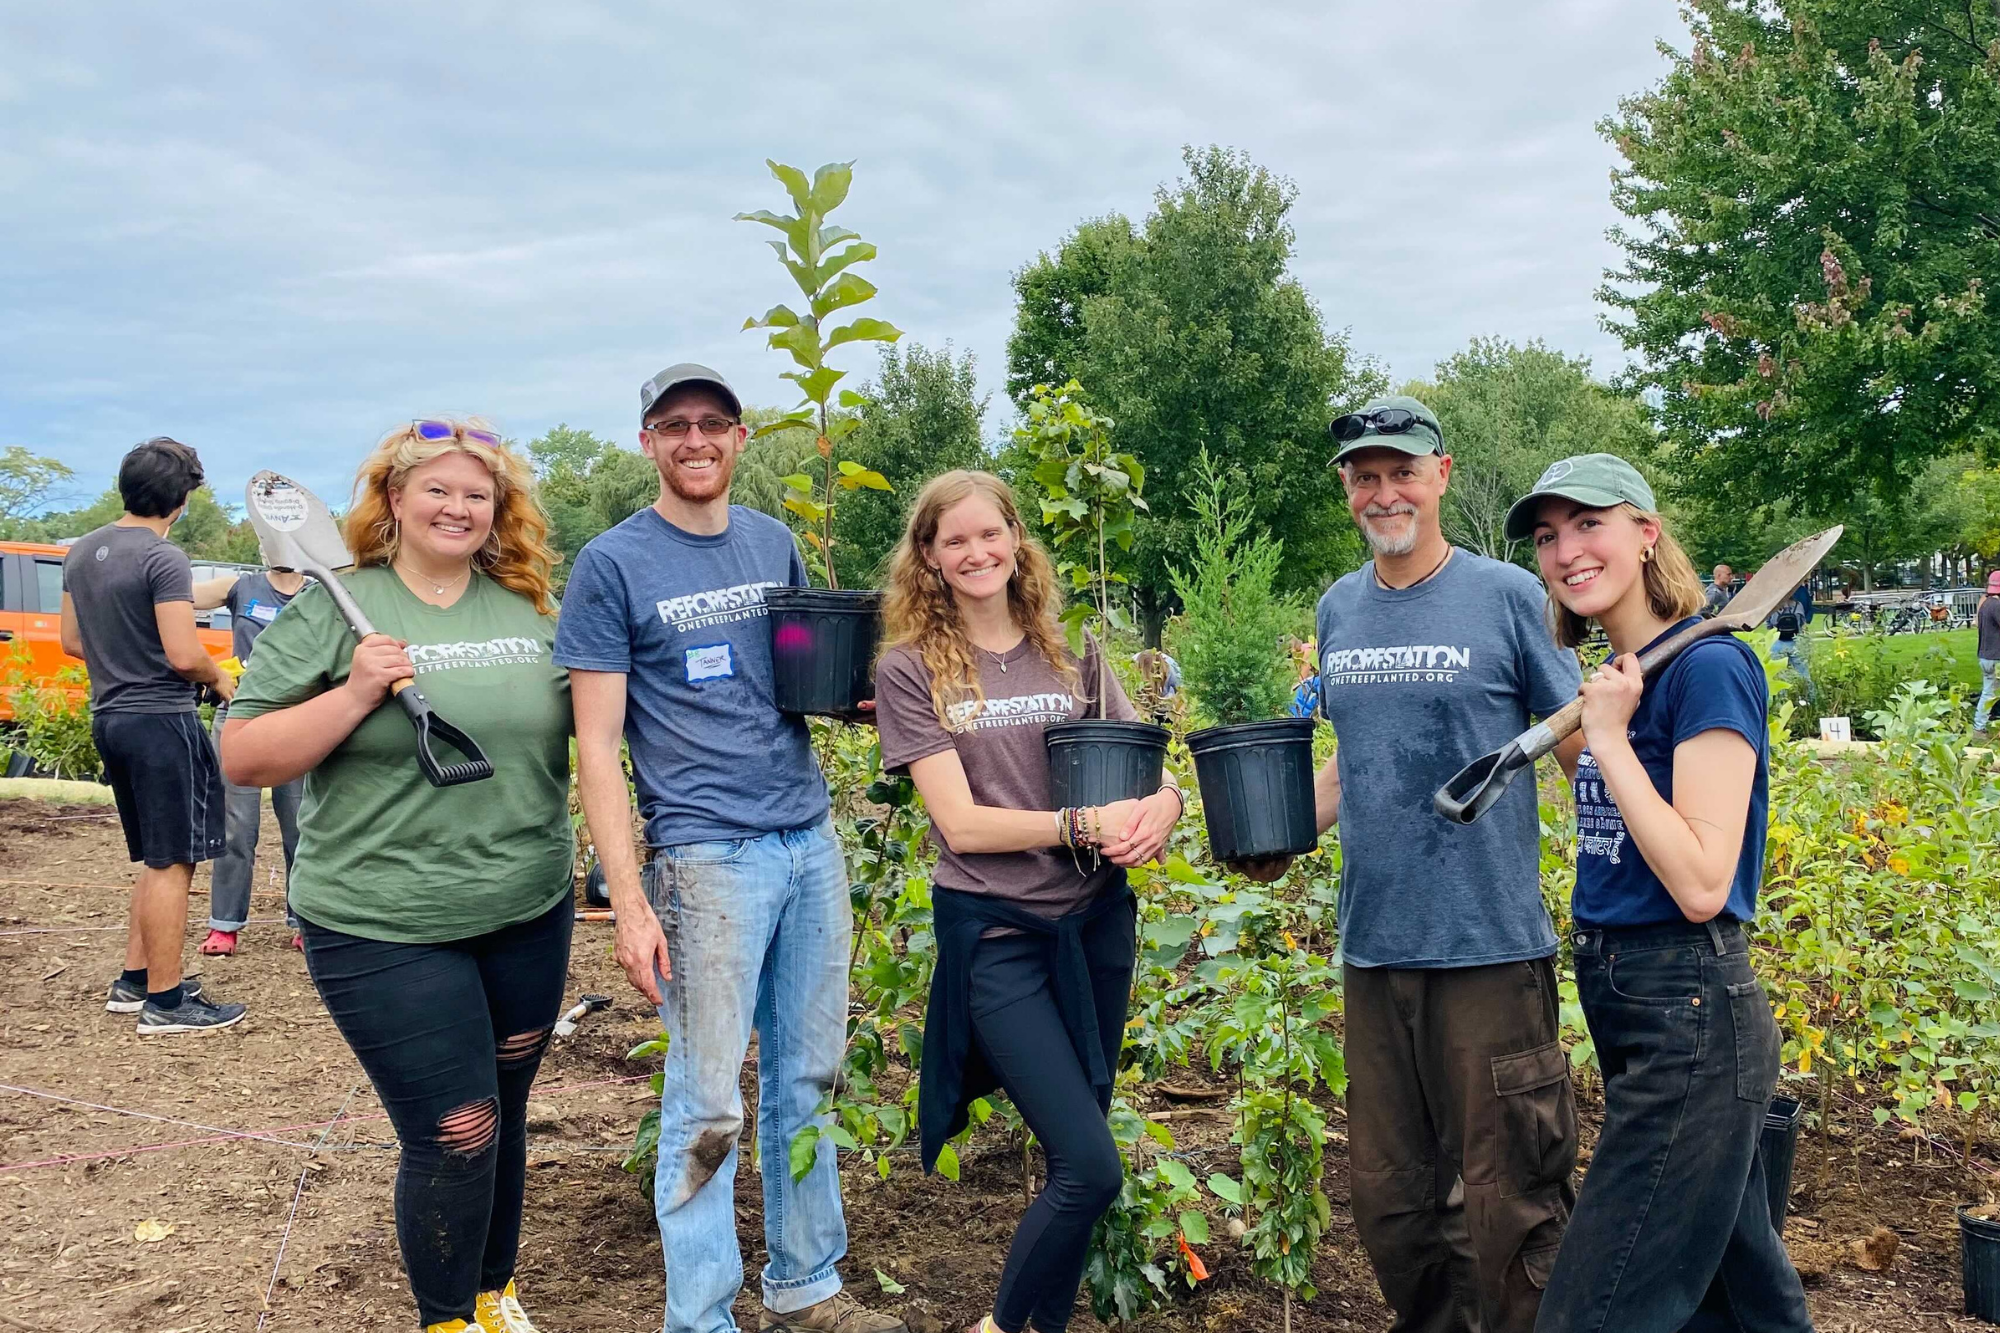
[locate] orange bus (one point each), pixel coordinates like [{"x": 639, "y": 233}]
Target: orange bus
[{"x": 31, "y": 615}]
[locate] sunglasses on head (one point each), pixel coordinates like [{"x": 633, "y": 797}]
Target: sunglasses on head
[
  {"x": 448, "y": 430},
  {"x": 1385, "y": 420}
]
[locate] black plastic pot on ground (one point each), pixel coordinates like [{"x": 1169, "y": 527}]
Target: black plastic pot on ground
[
  {"x": 19, "y": 765},
  {"x": 1257, "y": 788},
  {"x": 1979, "y": 1241},
  {"x": 1779, "y": 1146},
  {"x": 1100, "y": 760},
  {"x": 823, "y": 649}
]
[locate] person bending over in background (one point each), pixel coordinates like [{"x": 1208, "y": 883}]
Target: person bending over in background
[
  {"x": 1673, "y": 1229},
  {"x": 1029, "y": 900},
  {"x": 254, "y": 601},
  {"x": 128, "y": 609},
  {"x": 436, "y": 920}
]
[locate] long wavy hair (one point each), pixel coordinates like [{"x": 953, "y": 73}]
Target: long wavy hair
[
  {"x": 1673, "y": 589},
  {"x": 919, "y": 610},
  {"x": 516, "y": 552}
]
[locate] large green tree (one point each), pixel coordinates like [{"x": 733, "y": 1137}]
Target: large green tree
[
  {"x": 28, "y": 482},
  {"x": 1814, "y": 191},
  {"x": 1509, "y": 411},
  {"x": 1191, "y": 333},
  {"x": 587, "y": 484}
]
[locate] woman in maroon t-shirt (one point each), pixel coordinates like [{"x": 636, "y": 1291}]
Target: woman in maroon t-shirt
[{"x": 974, "y": 669}]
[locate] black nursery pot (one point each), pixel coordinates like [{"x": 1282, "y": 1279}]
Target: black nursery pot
[
  {"x": 1779, "y": 1144},
  {"x": 1257, "y": 788},
  {"x": 1979, "y": 1242},
  {"x": 823, "y": 649},
  {"x": 1100, "y": 760}
]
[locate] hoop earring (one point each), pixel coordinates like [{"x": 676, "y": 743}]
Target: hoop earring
[{"x": 1646, "y": 555}]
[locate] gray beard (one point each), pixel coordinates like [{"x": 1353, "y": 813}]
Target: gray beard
[{"x": 1391, "y": 546}]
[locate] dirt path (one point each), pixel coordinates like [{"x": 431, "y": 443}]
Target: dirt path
[{"x": 76, "y": 1183}]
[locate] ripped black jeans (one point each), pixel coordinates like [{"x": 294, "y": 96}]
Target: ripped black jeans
[{"x": 451, "y": 1036}]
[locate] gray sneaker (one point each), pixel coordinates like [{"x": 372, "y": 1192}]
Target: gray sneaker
[
  {"x": 128, "y": 997},
  {"x": 193, "y": 1014}
]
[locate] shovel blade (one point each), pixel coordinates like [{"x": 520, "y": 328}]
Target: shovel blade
[{"x": 294, "y": 528}]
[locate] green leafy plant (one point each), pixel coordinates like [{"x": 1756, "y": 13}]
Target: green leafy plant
[
  {"x": 1092, "y": 498},
  {"x": 52, "y": 719},
  {"x": 820, "y": 257},
  {"x": 1136, "y": 1247},
  {"x": 643, "y": 1158},
  {"x": 1233, "y": 628}
]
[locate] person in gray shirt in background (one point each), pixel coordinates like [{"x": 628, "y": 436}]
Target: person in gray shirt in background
[
  {"x": 1989, "y": 653},
  {"x": 254, "y": 601},
  {"x": 1461, "y": 1125},
  {"x": 128, "y": 611}
]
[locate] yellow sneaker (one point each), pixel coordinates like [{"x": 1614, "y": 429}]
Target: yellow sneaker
[
  {"x": 451, "y": 1326},
  {"x": 501, "y": 1312}
]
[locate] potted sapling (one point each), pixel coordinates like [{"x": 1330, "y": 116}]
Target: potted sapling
[
  {"x": 1253, "y": 763},
  {"x": 823, "y": 640},
  {"x": 1091, "y": 499}
]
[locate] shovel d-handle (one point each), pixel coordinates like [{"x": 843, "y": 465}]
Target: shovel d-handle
[
  {"x": 476, "y": 765},
  {"x": 1474, "y": 789}
]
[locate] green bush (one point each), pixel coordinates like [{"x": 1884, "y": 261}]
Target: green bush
[
  {"x": 1858, "y": 674},
  {"x": 52, "y": 724},
  {"x": 1232, "y": 635}
]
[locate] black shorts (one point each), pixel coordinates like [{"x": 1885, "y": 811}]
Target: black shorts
[{"x": 163, "y": 769}]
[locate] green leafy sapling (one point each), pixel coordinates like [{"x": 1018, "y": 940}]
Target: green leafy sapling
[
  {"x": 1092, "y": 498},
  {"x": 820, "y": 257}
]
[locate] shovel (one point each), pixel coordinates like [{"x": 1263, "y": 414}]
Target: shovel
[
  {"x": 297, "y": 533},
  {"x": 1475, "y": 788}
]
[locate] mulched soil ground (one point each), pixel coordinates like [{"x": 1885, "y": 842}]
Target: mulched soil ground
[{"x": 77, "y": 1184}]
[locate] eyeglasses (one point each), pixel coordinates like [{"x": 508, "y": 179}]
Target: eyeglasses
[
  {"x": 1385, "y": 420},
  {"x": 677, "y": 428},
  {"x": 450, "y": 430}
]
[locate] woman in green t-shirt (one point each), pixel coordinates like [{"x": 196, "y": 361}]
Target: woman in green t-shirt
[{"x": 436, "y": 920}]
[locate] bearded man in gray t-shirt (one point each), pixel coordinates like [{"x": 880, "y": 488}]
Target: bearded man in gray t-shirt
[{"x": 1461, "y": 1127}]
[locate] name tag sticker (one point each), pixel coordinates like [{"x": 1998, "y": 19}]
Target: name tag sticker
[
  {"x": 709, "y": 662},
  {"x": 259, "y": 612}
]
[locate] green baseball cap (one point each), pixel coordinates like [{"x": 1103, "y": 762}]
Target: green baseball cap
[
  {"x": 1597, "y": 481},
  {"x": 1396, "y": 421}
]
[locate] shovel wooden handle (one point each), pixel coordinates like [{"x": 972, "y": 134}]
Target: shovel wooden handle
[{"x": 1475, "y": 789}]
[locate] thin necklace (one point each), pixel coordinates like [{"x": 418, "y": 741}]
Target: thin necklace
[
  {"x": 1425, "y": 579},
  {"x": 437, "y": 589},
  {"x": 998, "y": 657}
]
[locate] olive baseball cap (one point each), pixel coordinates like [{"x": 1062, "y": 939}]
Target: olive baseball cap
[
  {"x": 676, "y": 377},
  {"x": 1416, "y": 438},
  {"x": 1597, "y": 481}
]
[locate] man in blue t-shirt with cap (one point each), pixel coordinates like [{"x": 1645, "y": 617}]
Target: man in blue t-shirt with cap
[
  {"x": 739, "y": 918},
  {"x": 1461, "y": 1128}
]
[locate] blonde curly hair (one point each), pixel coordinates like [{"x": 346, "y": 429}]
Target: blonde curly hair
[
  {"x": 516, "y": 552},
  {"x": 919, "y": 611}
]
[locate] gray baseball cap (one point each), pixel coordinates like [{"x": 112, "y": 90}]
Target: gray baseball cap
[
  {"x": 1405, "y": 424},
  {"x": 1596, "y": 481},
  {"x": 675, "y": 377}
]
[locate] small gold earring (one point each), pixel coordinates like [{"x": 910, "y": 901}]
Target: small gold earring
[{"x": 1646, "y": 555}]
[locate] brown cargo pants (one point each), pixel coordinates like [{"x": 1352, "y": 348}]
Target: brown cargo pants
[{"x": 1461, "y": 1140}]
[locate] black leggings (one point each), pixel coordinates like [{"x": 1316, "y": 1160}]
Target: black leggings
[
  {"x": 451, "y": 1035},
  {"x": 1021, "y": 1034}
]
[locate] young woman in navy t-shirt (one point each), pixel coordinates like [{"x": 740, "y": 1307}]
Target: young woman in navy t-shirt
[{"x": 1673, "y": 1228}]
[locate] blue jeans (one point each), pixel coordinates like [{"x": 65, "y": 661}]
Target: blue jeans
[
  {"x": 229, "y": 878},
  {"x": 1672, "y": 1229},
  {"x": 758, "y": 930},
  {"x": 1793, "y": 652},
  {"x": 1989, "y": 691}
]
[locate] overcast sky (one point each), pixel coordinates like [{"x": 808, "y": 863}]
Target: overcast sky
[{"x": 276, "y": 231}]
